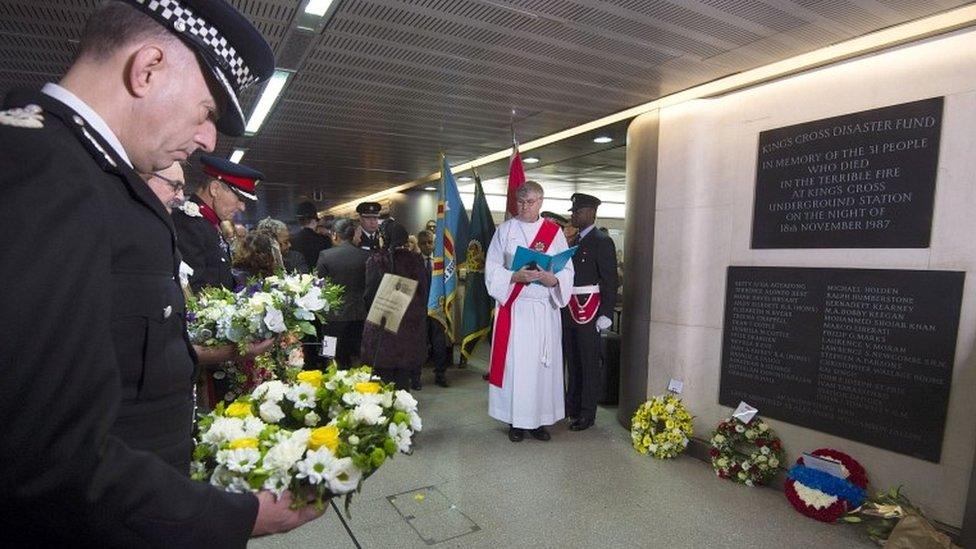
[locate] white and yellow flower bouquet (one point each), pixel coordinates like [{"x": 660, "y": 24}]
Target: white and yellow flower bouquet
[{"x": 319, "y": 436}]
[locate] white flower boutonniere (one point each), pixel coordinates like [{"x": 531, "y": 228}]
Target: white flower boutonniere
[{"x": 191, "y": 209}]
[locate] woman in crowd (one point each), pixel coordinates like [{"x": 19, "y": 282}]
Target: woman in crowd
[
  {"x": 394, "y": 356},
  {"x": 256, "y": 258}
]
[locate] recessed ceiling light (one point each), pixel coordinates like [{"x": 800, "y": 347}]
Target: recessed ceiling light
[
  {"x": 317, "y": 7},
  {"x": 430, "y": 188},
  {"x": 602, "y": 139},
  {"x": 464, "y": 178},
  {"x": 237, "y": 155},
  {"x": 269, "y": 97},
  {"x": 531, "y": 160}
]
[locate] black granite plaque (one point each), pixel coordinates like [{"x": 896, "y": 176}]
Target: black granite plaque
[
  {"x": 860, "y": 353},
  {"x": 862, "y": 180}
]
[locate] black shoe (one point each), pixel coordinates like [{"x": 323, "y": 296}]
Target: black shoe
[
  {"x": 441, "y": 381},
  {"x": 515, "y": 434},
  {"x": 540, "y": 433},
  {"x": 581, "y": 424},
  {"x": 415, "y": 385}
]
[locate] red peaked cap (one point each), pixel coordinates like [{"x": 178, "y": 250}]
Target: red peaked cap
[{"x": 239, "y": 178}]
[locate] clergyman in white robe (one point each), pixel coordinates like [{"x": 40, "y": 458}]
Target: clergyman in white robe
[{"x": 531, "y": 394}]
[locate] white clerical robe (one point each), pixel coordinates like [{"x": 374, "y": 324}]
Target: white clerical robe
[{"x": 531, "y": 394}]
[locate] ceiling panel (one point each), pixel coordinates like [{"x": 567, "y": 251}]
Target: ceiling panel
[{"x": 388, "y": 84}]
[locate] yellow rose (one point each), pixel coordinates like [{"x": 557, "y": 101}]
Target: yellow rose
[
  {"x": 367, "y": 387},
  {"x": 312, "y": 377},
  {"x": 324, "y": 436},
  {"x": 238, "y": 409},
  {"x": 239, "y": 443}
]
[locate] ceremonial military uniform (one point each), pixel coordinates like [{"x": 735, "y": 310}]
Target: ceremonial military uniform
[
  {"x": 370, "y": 241},
  {"x": 594, "y": 296},
  {"x": 203, "y": 247}
]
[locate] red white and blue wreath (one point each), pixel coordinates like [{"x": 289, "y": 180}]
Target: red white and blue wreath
[{"x": 822, "y": 496}]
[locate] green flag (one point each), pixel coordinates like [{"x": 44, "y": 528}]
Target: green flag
[{"x": 478, "y": 306}]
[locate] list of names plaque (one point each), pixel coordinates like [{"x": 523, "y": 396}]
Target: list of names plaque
[
  {"x": 862, "y": 180},
  {"x": 861, "y": 353}
]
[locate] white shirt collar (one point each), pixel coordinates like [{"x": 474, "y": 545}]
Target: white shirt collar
[
  {"x": 94, "y": 120},
  {"x": 586, "y": 231}
]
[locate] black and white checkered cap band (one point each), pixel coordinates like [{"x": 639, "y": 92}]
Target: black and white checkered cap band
[{"x": 183, "y": 20}]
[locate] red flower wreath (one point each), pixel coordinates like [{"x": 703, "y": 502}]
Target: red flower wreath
[{"x": 856, "y": 475}]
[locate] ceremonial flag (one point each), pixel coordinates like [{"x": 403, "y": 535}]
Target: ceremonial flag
[
  {"x": 452, "y": 228},
  {"x": 478, "y": 305},
  {"x": 516, "y": 176}
]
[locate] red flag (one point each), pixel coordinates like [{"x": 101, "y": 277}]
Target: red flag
[{"x": 516, "y": 176}]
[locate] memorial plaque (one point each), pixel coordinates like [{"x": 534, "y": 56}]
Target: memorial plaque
[
  {"x": 862, "y": 180},
  {"x": 860, "y": 353}
]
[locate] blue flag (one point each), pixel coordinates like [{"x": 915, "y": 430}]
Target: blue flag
[{"x": 452, "y": 227}]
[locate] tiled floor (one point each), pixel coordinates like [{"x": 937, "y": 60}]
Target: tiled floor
[{"x": 466, "y": 485}]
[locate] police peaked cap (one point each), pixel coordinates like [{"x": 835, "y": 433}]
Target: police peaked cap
[
  {"x": 306, "y": 210},
  {"x": 581, "y": 200},
  {"x": 369, "y": 209},
  {"x": 240, "y": 179},
  {"x": 235, "y": 53}
]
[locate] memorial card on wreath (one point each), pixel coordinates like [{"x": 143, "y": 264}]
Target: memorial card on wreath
[{"x": 391, "y": 302}]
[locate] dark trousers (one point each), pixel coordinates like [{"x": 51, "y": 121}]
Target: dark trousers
[
  {"x": 349, "y": 337},
  {"x": 438, "y": 351},
  {"x": 399, "y": 376},
  {"x": 581, "y": 343}
]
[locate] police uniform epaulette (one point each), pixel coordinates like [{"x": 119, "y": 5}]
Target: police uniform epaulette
[{"x": 29, "y": 116}]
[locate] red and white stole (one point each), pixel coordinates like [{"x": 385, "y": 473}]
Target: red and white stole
[{"x": 503, "y": 320}]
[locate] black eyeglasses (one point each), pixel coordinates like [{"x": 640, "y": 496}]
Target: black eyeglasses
[{"x": 175, "y": 184}]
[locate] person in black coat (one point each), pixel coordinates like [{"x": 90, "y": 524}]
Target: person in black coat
[
  {"x": 395, "y": 356},
  {"x": 368, "y": 236},
  {"x": 97, "y": 367},
  {"x": 308, "y": 241},
  {"x": 589, "y": 311},
  {"x": 345, "y": 264}
]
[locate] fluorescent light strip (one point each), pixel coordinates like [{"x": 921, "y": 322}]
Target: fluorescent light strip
[
  {"x": 272, "y": 90},
  {"x": 237, "y": 155},
  {"x": 870, "y": 43},
  {"x": 317, "y": 7}
]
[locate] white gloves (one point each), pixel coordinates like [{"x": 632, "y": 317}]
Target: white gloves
[{"x": 603, "y": 324}]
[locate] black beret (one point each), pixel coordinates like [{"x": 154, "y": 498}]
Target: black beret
[
  {"x": 369, "y": 209},
  {"x": 581, "y": 200},
  {"x": 235, "y": 53}
]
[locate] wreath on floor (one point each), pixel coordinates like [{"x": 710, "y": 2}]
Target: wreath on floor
[
  {"x": 661, "y": 427},
  {"x": 822, "y": 496},
  {"x": 749, "y": 454}
]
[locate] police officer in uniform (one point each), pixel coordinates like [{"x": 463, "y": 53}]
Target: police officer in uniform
[
  {"x": 589, "y": 311},
  {"x": 369, "y": 225},
  {"x": 97, "y": 368},
  {"x": 203, "y": 246}
]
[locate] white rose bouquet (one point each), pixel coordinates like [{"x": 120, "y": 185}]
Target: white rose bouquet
[{"x": 319, "y": 436}]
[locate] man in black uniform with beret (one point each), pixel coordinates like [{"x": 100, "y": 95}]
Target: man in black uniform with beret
[
  {"x": 94, "y": 342},
  {"x": 589, "y": 311},
  {"x": 197, "y": 223},
  {"x": 369, "y": 226}
]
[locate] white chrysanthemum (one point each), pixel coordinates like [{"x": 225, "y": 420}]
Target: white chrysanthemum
[
  {"x": 404, "y": 401},
  {"x": 271, "y": 412},
  {"x": 401, "y": 435},
  {"x": 288, "y": 450},
  {"x": 303, "y": 395},
  {"x": 241, "y": 460},
  {"x": 415, "y": 422},
  {"x": 718, "y": 439},
  {"x": 764, "y": 450},
  {"x": 773, "y": 462},
  {"x": 315, "y": 465},
  {"x": 274, "y": 320},
  {"x": 370, "y": 414},
  {"x": 229, "y": 481},
  {"x": 353, "y": 439},
  {"x": 813, "y": 497},
  {"x": 277, "y": 483},
  {"x": 222, "y": 430},
  {"x": 312, "y": 419},
  {"x": 343, "y": 476},
  {"x": 273, "y": 390},
  {"x": 763, "y": 427},
  {"x": 252, "y": 427},
  {"x": 355, "y": 398}
]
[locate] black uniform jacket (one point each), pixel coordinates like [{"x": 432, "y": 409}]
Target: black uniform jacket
[
  {"x": 595, "y": 262},
  {"x": 93, "y": 349},
  {"x": 203, "y": 249},
  {"x": 310, "y": 244},
  {"x": 345, "y": 264}
]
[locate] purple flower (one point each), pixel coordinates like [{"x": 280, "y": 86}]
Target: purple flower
[{"x": 191, "y": 316}]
